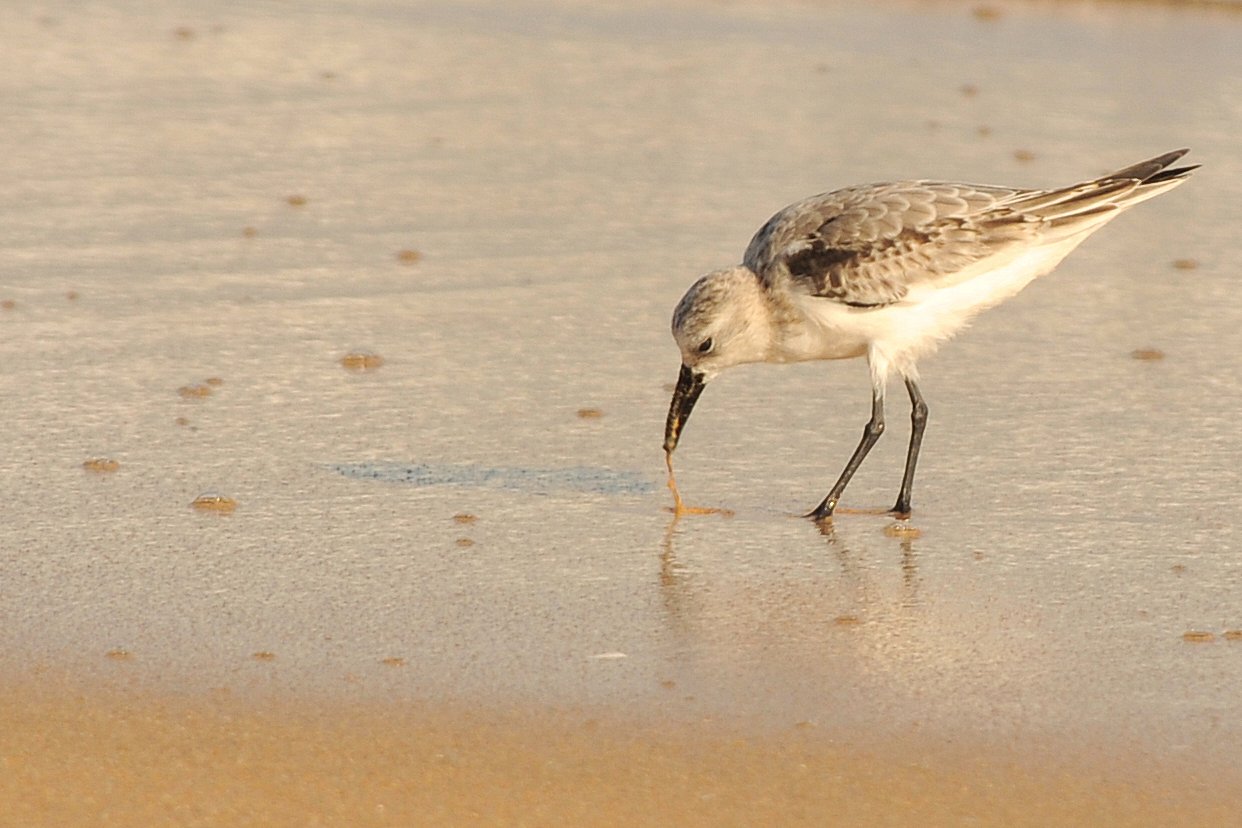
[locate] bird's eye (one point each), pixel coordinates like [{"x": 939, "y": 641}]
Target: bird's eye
[{"x": 706, "y": 345}]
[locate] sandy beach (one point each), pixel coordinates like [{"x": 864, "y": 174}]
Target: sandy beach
[
  {"x": 120, "y": 758},
  {"x": 336, "y": 363}
]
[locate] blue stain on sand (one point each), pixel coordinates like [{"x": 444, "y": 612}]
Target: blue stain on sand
[{"x": 539, "y": 481}]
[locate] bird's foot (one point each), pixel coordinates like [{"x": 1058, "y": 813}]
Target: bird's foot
[
  {"x": 822, "y": 512},
  {"x": 845, "y": 510}
]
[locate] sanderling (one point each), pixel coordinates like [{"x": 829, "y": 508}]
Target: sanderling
[{"x": 887, "y": 271}]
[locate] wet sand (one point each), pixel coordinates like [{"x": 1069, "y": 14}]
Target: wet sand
[{"x": 335, "y": 346}]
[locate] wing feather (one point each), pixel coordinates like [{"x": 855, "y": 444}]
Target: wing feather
[{"x": 868, "y": 245}]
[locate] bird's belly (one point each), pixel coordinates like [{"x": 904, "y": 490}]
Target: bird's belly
[
  {"x": 939, "y": 312},
  {"x": 913, "y": 327}
]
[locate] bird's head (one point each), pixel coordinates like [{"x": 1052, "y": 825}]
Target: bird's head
[{"x": 722, "y": 321}]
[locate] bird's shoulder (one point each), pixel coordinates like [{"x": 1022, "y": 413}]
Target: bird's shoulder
[{"x": 867, "y": 245}]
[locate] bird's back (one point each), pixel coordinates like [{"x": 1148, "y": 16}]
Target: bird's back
[{"x": 869, "y": 245}]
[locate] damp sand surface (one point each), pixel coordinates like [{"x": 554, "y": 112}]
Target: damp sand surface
[{"x": 300, "y": 313}]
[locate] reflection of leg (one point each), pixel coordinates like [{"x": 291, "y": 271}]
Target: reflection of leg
[
  {"x": 918, "y": 422},
  {"x": 871, "y": 433}
]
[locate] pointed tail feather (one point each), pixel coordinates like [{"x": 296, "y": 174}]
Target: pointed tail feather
[
  {"x": 1149, "y": 170},
  {"x": 1084, "y": 208}
]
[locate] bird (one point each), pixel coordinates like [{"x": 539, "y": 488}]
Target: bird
[{"x": 886, "y": 271}]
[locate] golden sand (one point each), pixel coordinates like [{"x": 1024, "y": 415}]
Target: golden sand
[{"x": 118, "y": 758}]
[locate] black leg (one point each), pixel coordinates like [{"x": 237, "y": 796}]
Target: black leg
[
  {"x": 871, "y": 433},
  {"x": 918, "y": 422}
]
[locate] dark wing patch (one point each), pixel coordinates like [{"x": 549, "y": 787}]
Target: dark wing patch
[
  {"x": 818, "y": 257},
  {"x": 854, "y": 275}
]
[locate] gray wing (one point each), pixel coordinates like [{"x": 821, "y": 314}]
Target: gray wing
[{"x": 866, "y": 246}]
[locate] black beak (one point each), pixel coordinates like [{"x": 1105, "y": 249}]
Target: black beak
[{"x": 690, "y": 384}]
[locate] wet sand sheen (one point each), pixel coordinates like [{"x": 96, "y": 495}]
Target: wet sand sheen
[{"x": 66, "y": 757}]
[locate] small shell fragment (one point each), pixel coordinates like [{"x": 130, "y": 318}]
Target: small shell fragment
[
  {"x": 901, "y": 529},
  {"x": 361, "y": 361},
  {"x": 214, "y": 503}
]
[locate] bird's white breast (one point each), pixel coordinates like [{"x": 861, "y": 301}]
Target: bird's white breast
[{"x": 897, "y": 335}]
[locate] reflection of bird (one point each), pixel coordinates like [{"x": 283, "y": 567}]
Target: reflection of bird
[{"x": 887, "y": 271}]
